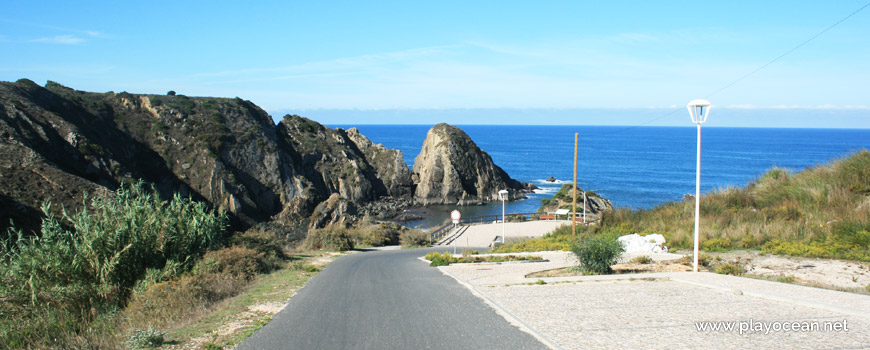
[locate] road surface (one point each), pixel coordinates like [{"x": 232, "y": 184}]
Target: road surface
[{"x": 387, "y": 300}]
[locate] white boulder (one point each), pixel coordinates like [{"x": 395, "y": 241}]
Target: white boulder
[{"x": 651, "y": 243}]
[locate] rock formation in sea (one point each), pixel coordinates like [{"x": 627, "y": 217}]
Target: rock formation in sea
[{"x": 452, "y": 169}]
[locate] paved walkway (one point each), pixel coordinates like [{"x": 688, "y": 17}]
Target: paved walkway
[
  {"x": 483, "y": 235},
  {"x": 664, "y": 310}
]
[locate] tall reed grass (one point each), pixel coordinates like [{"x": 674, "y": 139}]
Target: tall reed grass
[{"x": 54, "y": 284}]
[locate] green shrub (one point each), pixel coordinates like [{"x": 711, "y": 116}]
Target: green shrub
[
  {"x": 170, "y": 302},
  {"x": 716, "y": 244},
  {"x": 145, "y": 338},
  {"x": 332, "y": 238},
  {"x": 439, "y": 259},
  {"x": 432, "y": 255},
  {"x": 597, "y": 254},
  {"x": 729, "y": 269},
  {"x": 378, "y": 234},
  {"x": 264, "y": 242},
  {"x": 414, "y": 238},
  {"x": 235, "y": 261}
]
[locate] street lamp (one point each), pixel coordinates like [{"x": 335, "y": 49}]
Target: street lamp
[
  {"x": 698, "y": 110},
  {"x": 503, "y": 194}
]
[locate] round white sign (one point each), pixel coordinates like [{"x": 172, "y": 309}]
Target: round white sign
[{"x": 455, "y": 215}]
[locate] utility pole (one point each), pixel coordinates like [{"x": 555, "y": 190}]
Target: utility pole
[{"x": 574, "y": 200}]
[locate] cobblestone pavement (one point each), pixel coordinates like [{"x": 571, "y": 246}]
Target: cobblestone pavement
[{"x": 664, "y": 310}]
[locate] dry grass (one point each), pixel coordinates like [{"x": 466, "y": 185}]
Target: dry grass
[{"x": 819, "y": 212}]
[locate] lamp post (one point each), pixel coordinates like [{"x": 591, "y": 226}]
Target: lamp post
[
  {"x": 698, "y": 110},
  {"x": 503, "y": 196}
]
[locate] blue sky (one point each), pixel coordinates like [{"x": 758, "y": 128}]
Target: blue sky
[{"x": 400, "y": 62}]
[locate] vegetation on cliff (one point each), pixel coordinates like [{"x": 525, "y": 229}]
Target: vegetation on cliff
[{"x": 822, "y": 211}]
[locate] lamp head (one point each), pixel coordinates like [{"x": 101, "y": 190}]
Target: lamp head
[
  {"x": 699, "y": 110},
  {"x": 502, "y": 195}
]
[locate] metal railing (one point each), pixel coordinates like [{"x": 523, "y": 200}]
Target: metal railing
[
  {"x": 440, "y": 232},
  {"x": 436, "y": 235}
]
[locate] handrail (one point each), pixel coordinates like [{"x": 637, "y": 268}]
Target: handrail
[
  {"x": 436, "y": 235},
  {"x": 486, "y": 218}
]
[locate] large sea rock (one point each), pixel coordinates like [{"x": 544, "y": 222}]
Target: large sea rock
[{"x": 452, "y": 169}]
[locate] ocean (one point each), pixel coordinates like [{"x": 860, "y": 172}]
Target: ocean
[{"x": 634, "y": 167}]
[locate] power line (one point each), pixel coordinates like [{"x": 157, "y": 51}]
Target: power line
[
  {"x": 750, "y": 73},
  {"x": 788, "y": 52}
]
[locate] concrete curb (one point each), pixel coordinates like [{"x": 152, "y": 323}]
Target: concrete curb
[{"x": 503, "y": 312}]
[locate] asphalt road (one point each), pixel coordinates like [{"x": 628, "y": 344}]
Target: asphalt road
[{"x": 387, "y": 300}]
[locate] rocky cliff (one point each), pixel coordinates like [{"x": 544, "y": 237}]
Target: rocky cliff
[
  {"x": 451, "y": 169},
  {"x": 58, "y": 143}
]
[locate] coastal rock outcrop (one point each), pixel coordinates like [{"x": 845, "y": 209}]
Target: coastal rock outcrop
[
  {"x": 595, "y": 204},
  {"x": 59, "y": 143},
  {"x": 389, "y": 164},
  {"x": 452, "y": 169}
]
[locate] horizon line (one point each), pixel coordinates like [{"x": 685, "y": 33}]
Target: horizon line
[
  {"x": 826, "y": 107},
  {"x": 627, "y": 126}
]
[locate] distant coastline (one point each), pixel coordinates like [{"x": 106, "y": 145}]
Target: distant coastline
[{"x": 784, "y": 117}]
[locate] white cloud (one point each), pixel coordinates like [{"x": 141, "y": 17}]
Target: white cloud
[{"x": 60, "y": 39}]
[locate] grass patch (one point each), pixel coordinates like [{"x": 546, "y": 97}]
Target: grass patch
[
  {"x": 785, "y": 279},
  {"x": 643, "y": 260},
  {"x": 443, "y": 259},
  {"x": 559, "y": 239}
]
